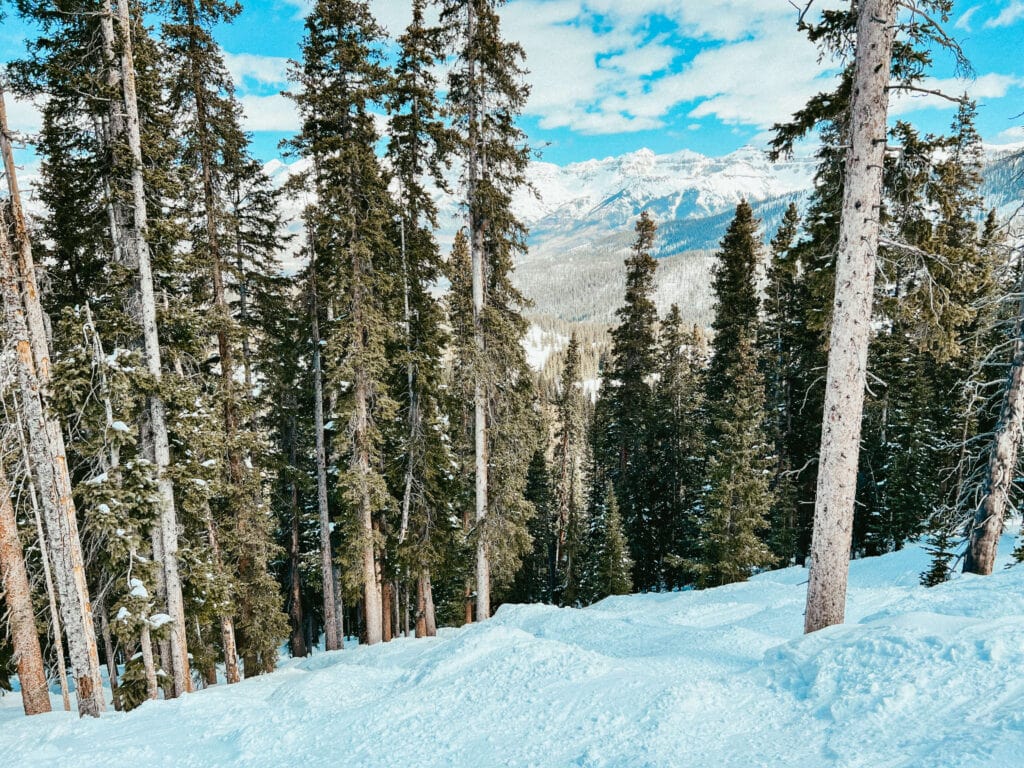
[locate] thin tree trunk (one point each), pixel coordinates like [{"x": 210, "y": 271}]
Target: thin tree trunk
[
  {"x": 326, "y": 559},
  {"x": 421, "y": 608},
  {"x": 47, "y": 454},
  {"x": 298, "y": 640},
  {"x": 430, "y": 616},
  {"x": 146, "y": 643},
  {"x": 167, "y": 532},
  {"x": 35, "y": 695},
  {"x": 44, "y": 557},
  {"x": 987, "y": 526},
  {"x": 227, "y": 624},
  {"x": 386, "y": 599},
  {"x": 339, "y": 607},
  {"x": 110, "y": 655},
  {"x": 851, "y": 321}
]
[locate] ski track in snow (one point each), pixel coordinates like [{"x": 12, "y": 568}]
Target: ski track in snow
[{"x": 722, "y": 677}]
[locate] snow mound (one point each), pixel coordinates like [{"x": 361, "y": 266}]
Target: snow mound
[{"x": 722, "y": 677}]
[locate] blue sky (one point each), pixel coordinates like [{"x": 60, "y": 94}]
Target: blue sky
[{"x": 611, "y": 76}]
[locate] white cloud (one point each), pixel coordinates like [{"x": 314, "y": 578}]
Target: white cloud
[
  {"x": 265, "y": 70},
  {"x": 1010, "y": 15},
  {"x": 964, "y": 22},
  {"x": 1012, "y": 135},
  {"x": 269, "y": 113},
  {"x": 606, "y": 66},
  {"x": 22, "y": 116},
  {"x": 990, "y": 86}
]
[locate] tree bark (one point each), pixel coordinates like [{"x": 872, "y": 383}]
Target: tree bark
[
  {"x": 326, "y": 559},
  {"x": 298, "y": 639},
  {"x": 227, "y": 624},
  {"x": 26, "y": 331},
  {"x": 35, "y": 695},
  {"x": 110, "y": 656},
  {"x": 386, "y": 598},
  {"x": 987, "y": 525},
  {"x": 166, "y": 535},
  {"x": 44, "y": 557},
  {"x": 851, "y": 322}
]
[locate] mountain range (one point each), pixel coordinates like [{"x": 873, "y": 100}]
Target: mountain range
[{"x": 581, "y": 216}]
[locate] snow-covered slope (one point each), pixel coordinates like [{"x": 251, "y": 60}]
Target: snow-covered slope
[{"x": 918, "y": 677}]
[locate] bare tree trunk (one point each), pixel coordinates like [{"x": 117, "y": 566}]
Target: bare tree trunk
[
  {"x": 146, "y": 643},
  {"x": 386, "y": 599},
  {"x": 298, "y": 639},
  {"x": 35, "y": 695},
  {"x": 430, "y": 615},
  {"x": 361, "y": 471},
  {"x": 167, "y": 533},
  {"x": 339, "y": 607},
  {"x": 421, "y": 608},
  {"x": 326, "y": 559},
  {"x": 987, "y": 526},
  {"x": 227, "y": 624},
  {"x": 26, "y": 331},
  {"x": 851, "y": 321},
  {"x": 109, "y": 655},
  {"x": 44, "y": 557}
]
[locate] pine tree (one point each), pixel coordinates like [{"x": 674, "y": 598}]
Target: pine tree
[
  {"x": 350, "y": 236},
  {"x": 570, "y": 481},
  {"x": 739, "y": 498},
  {"x": 486, "y": 93},
  {"x": 418, "y": 147},
  {"x": 623, "y": 432},
  {"x": 778, "y": 347},
  {"x": 612, "y": 563},
  {"x": 679, "y": 431}
]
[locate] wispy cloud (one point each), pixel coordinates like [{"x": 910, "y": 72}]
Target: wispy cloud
[
  {"x": 990, "y": 86},
  {"x": 1010, "y": 15}
]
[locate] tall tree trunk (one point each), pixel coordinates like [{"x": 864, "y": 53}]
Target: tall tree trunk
[
  {"x": 326, "y": 559},
  {"x": 851, "y": 321},
  {"x": 298, "y": 639},
  {"x": 35, "y": 696},
  {"x": 148, "y": 665},
  {"x": 166, "y": 535},
  {"x": 387, "y": 597},
  {"x": 987, "y": 526},
  {"x": 421, "y": 608},
  {"x": 339, "y": 607},
  {"x": 27, "y": 332},
  {"x": 44, "y": 556},
  {"x": 110, "y": 656},
  {"x": 428, "y": 598},
  {"x": 227, "y": 624}
]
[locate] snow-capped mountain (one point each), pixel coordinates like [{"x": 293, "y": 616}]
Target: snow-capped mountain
[{"x": 581, "y": 217}]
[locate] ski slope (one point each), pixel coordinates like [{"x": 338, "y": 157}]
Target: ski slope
[{"x": 917, "y": 677}]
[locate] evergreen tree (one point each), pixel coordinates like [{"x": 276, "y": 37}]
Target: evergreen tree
[
  {"x": 418, "y": 147},
  {"x": 623, "y": 432},
  {"x": 739, "y": 498},
  {"x": 486, "y": 93},
  {"x": 570, "y": 481},
  {"x": 678, "y": 450},
  {"x": 611, "y": 561},
  {"x": 349, "y": 231}
]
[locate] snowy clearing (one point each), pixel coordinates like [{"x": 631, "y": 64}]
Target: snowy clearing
[{"x": 918, "y": 677}]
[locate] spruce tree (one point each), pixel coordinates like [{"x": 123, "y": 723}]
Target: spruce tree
[
  {"x": 623, "y": 432},
  {"x": 350, "y": 235},
  {"x": 486, "y": 94}
]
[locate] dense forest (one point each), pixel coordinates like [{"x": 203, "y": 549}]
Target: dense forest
[{"x": 205, "y": 456}]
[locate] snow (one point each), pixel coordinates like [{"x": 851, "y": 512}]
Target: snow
[
  {"x": 158, "y": 620},
  {"x": 120, "y": 426},
  {"x": 540, "y": 344},
  {"x": 138, "y": 589},
  {"x": 723, "y": 677}
]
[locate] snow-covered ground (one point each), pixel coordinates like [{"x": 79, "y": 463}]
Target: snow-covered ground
[{"x": 917, "y": 677}]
